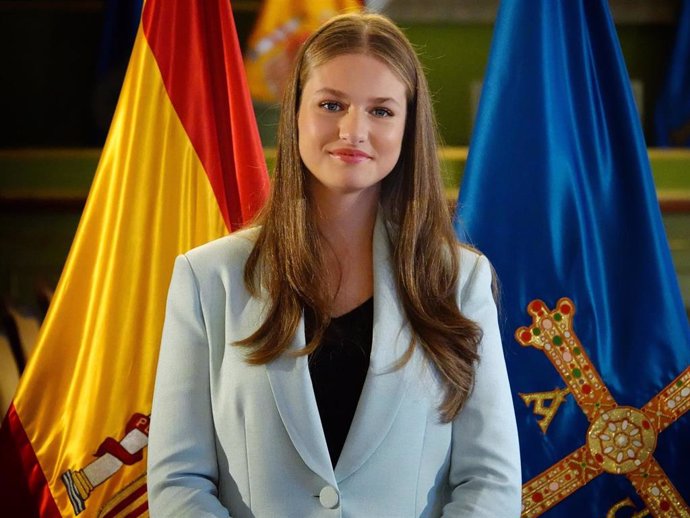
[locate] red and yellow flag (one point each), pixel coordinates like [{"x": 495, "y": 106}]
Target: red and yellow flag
[
  {"x": 182, "y": 165},
  {"x": 280, "y": 29}
]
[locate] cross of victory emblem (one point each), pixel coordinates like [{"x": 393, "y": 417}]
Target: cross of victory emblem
[{"x": 620, "y": 440}]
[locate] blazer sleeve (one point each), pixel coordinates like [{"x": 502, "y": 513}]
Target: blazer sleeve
[
  {"x": 182, "y": 465},
  {"x": 485, "y": 475}
]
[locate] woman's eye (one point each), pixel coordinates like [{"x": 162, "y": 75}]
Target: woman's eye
[
  {"x": 330, "y": 106},
  {"x": 381, "y": 112}
]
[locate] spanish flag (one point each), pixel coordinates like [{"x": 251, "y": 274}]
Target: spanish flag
[
  {"x": 182, "y": 165},
  {"x": 282, "y": 26}
]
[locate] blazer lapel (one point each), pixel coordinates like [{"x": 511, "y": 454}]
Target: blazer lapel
[
  {"x": 294, "y": 396},
  {"x": 383, "y": 388},
  {"x": 385, "y": 385}
]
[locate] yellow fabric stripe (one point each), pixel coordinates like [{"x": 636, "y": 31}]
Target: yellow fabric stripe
[{"x": 95, "y": 360}]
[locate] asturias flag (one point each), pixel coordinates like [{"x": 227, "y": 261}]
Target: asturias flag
[
  {"x": 558, "y": 194},
  {"x": 182, "y": 165}
]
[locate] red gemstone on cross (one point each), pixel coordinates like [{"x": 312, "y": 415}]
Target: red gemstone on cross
[
  {"x": 537, "y": 497},
  {"x": 526, "y": 336},
  {"x": 599, "y": 458},
  {"x": 665, "y": 506},
  {"x": 646, "y": 425},
  {"x": 535, "y": 306},
  {"x": 565, "y": 309},
  {"x": 586, "y": 389}
]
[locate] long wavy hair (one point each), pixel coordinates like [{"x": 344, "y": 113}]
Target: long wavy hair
[{"x": 288, "y": 258}]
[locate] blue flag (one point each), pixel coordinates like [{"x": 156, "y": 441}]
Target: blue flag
[
  {"x": 672, "y": 115},
  {"x": 558, "y": 193}
]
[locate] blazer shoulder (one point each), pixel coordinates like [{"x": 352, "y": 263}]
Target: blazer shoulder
[
  {"x": 222, "y": 256},
  {"x": 476, "y": 272},
  {"x": 230, "y": 248},
  {"x": 469, "y": 260}
]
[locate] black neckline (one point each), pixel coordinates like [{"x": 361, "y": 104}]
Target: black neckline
[{"x": 364, "y": 306}]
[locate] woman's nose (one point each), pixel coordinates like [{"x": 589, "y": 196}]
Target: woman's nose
[{"x": 353, "y": 127}]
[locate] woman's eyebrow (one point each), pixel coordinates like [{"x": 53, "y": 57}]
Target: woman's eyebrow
[
  {"x": 337, "y": 93},
  {"x": 330, "y": 91},
  {"x": 383, "y": 100}
]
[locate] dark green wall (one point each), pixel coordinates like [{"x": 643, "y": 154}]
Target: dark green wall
[{"x": 454, "y": 56}]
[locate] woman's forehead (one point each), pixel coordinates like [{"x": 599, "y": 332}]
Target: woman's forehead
[{"x": 356, "y": 73}]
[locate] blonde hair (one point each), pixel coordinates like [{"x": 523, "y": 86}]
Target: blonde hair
[{"x": 288, "y": 257}]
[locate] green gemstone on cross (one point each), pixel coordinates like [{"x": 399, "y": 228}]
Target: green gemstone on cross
[
  {"x": 576, "y": 350},
  {"x": 557, "y": 317},
  {"x": 577, "y": 373},
  {"x": 679, "y": 383},
  {"x": 557, "y": 340},
  {"x": 536, "y": 331}
]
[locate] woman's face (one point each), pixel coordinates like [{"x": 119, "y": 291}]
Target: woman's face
[{"x": 351, "y": 122}]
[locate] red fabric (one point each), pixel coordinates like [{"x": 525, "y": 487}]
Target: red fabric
[
  {"x": 116, "y": 510},
  {"x": 24, "y": 491},
  {"x": 139, "y": 511},
  {"x": 207, "y": 87}
]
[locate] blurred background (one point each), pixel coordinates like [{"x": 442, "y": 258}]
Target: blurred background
[{"x": 63, "y": 63}]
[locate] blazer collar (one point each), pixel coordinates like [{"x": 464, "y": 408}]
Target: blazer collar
[{"x": 383, "y": 388}]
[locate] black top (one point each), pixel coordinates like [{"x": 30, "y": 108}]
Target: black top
[{"x": 338, "y": 369}]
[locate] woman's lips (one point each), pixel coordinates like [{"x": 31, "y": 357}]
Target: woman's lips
[{"x": 350, "y": 156}]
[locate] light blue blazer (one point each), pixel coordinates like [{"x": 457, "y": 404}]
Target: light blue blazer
[{"x": 230, "y": 439}]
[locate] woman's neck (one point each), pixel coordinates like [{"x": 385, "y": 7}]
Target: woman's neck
[
  {"x": 347, "y": 224},
  {"x": 350, "y": 223}
]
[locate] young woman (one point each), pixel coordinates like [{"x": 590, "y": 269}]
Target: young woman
[{"x": 342, "y": 356}]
